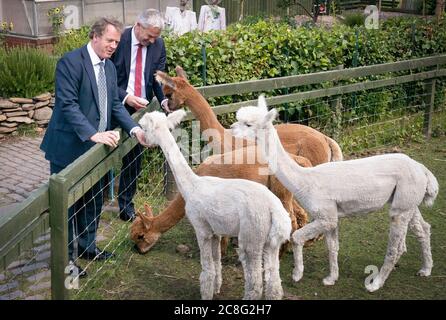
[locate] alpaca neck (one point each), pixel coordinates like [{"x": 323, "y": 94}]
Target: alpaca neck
[
  {"x": 184, "y": 176},
  {"x": 289, "y": 173},
  {"x": 203, "y": 111},
  {"x": 170, "y": 216}
]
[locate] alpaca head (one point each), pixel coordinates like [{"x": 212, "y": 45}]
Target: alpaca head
[
  {"x": 173, "y": 87},
  {"x": 141, "y": 231},
  {"x": 250, "y": 120},
  {"x": 154, "y": 121}
]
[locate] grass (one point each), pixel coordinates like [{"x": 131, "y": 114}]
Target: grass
[{"x": 164, "y": 274}]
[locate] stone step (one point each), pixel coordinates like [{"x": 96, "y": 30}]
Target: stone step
[
  {"x": 43, "y": 238},
  {"x": 46, "y": 255},
  {"x": 39, "y": 276},
  {"x": 30, "y": 267},
  {"x": 42, "y": 247},
  {"x": 40, "y": 286},
  {"x": 8, "y": 286},
  {"x": 14, "y": 295},
  {"x": 35, "y": 297}
]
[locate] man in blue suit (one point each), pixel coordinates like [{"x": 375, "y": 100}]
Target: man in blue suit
[
  {"x": 139, "y": 55},
  {"x": 86, "y": 104}
]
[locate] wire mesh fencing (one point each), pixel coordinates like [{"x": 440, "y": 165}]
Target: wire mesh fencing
[
  {"x": 28, "y": 277},
  {"x": 363, "y": 123}
]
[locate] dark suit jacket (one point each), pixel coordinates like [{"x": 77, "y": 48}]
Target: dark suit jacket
[
  {"x": 155, "y": 60},
  {"x": 76, "y": 112}
]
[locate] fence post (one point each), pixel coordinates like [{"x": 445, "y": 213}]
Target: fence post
[
  {"x": 170, "y": 187},
  {"x": 336, "y": 107},
  {"x": 59, "y": 236},
  {"x": 429, "y": 101},
  {"x": 203, "y": 56}
]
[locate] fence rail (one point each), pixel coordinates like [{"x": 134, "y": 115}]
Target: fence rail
[{"x": 25, "y": 221}]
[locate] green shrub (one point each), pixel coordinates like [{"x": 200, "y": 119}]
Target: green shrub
[
  {"x": 25, "y": 72},
  {"x": 354, "y": 19},
  {"x": 72, "y": 39}
]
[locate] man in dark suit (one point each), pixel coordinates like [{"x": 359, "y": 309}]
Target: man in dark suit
[
  {"x": 86, "y": 104},
  {"x": 139, "y": 55}
]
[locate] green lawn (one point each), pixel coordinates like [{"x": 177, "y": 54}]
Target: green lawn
[{"x": 165, "y": 274}]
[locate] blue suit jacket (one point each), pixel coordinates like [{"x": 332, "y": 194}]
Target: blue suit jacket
[
  {"x": 155, "y": 60},
  {"x": 76, "y": 112}
]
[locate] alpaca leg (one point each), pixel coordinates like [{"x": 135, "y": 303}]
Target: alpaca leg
[
  {"x": 252, "y": 268},
  {"x": 224, "y": 245},
  {"x": 273, "y": 283},
  {"x": 216, "y": 254},
  {"x": 207, "y": 276},
  {"x": 303, "y": 234},
  {"x": 421, "y": 229},
  {"x": 398, "y": 229},
  {"x": 333, "y": 248}
]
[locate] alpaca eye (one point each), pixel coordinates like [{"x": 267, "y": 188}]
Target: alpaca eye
[
  {"x": 140, "y": 237},
  {"x": 169, "y": 96}
]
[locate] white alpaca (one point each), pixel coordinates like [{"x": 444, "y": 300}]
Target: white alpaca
[
  {"x": 337, "y": 189},
  {"x": 226, "y": 207}
]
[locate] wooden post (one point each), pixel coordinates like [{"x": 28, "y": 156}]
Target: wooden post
[
  {"x": 429, "y": 101},
  {"x": 59, "y": 236},
  {"x": 336, "y": 108},
  {"x": 170, "y": 187}
]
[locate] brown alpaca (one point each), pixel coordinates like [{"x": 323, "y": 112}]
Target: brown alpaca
[
  {"x": 312, "y": 146},
  {"x": 147, "y": 229}
]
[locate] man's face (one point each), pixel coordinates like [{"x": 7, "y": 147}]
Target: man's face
[
  {"x": 105, "y": 45},
  {"x": 146, "y": 36}
]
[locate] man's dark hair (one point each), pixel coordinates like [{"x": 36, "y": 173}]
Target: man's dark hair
[{"x": 101, "y": 24}]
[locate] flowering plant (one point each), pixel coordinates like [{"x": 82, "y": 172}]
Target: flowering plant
[
  {"x": 6, "y": 27},
  {"x": 56, "y": 17}
]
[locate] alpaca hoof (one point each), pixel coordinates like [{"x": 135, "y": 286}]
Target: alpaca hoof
[
  {"x": 424, "y": 272},
  {"x": 328, "y": 281},
  {"x": 372, "y": 287},
  {"x": 297, "y": 275}
]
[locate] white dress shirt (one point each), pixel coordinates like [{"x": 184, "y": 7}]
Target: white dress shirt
[
  {"x": 131, "y": 84},
  {"x": 95, "y": 60}
]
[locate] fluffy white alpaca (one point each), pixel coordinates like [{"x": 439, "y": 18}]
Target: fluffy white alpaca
[
  {"x": 337, "y": 189},
  {"x": 226, "y": 207}
]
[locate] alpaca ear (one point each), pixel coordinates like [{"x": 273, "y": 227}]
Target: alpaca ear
[
  {"x": 181, "y": 73},
  {"x": 148, "y": 210},
  {"x": 165, "y": 79},
  {"x": 261, "y": 103},
  {"x": 174, "y": 118},
  {"x": 270, "y": 116},
  {"x": 147, "y": 217}
]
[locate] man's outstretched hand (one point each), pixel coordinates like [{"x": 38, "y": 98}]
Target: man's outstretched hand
[
  {"x": 140, "y": 135},
  {"x": 109, "y": 138}
]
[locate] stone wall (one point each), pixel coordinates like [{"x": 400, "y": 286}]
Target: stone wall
[{"x": 23, "y": 111}]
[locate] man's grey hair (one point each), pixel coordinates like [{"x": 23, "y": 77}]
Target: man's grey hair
[
  {"x": 151, "y": 18},
  {"x": 101, "y": 24}
]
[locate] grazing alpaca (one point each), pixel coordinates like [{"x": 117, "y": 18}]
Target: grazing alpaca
[
  {"x": 339, "y": 189},
  {"x": 234, "y": 207},
  {"x": 146, "y": 232}
]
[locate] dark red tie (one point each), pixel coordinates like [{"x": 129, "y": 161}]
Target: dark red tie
[{"x": 138, "y": 71}]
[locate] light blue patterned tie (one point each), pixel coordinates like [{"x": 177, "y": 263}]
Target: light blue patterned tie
[{"x": 102, "y": 91}]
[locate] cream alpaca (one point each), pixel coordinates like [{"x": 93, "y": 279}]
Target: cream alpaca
[
  {"x": 233, "y": 207},
  {"x": 338, "y": 189}
]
